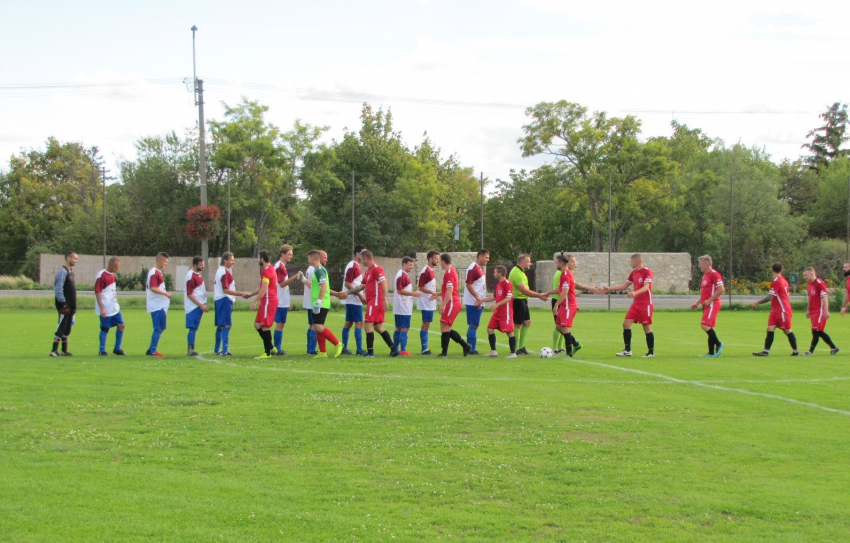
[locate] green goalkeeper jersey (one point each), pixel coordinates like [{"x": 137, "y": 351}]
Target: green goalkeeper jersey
[{"x": 320, "y": 277}]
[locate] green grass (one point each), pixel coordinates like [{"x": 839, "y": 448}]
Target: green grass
[{"x": 420, "y": 449}]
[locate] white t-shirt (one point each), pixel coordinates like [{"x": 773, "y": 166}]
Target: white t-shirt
[
  {"x": 427, "y": 279},
  {"x": 282, "y": 292},
  {"x": 479, "y": 284},
  {"x": 402, "y": 304},
  {"x": 104, "y": 283},
  {"x": 308, "y": 300},
  {"x": 352, "y": 276},
  {"x": 194, "y": 286},
  {"x": 223, "y": 280},
  {"x": 156, "y": 301}
]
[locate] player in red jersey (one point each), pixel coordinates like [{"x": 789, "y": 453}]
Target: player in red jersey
[
  {"x": 640, "y": 281},
  {"x": 567, "y": 305},
  {"x": 780, "y": 312},
  {"x": 502, "y": 319},
  {"x": 449, "y": 307},
  {"x": 376, "y": 290},
  {"x": 846, "y": 288},
  {"x": 709, "y": 300},
  {"x": 818, "y": 310},
  {"x": 266, "y": 302}
]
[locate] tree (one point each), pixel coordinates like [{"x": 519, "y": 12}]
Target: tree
[
  {"x": 264, "y": 164},
  {"x": 592, "y": 149},
  {"x": 827, "y": 140},
  {"x": 41, "y": 193}
]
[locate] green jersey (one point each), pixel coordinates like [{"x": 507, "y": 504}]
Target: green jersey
[
  {"x": 556, "y": 284},
  {"x": 320, "y": 277},
  {"x": 517, "y": 277}
]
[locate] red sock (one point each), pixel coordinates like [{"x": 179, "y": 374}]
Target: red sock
[
  {"x": 320, "y": 338},
  {"x": 330, "y": 336}
]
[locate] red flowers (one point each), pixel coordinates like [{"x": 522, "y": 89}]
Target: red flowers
[{"x": 202, "y": 221}]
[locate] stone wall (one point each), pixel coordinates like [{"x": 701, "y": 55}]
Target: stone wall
[{"x": 671, "y": 272}]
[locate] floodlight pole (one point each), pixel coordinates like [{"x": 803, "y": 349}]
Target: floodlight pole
[
  {"x": 199, "y": 101},
  {"x": 103, "y": 179},
  {"x": 482, "y": 210}
]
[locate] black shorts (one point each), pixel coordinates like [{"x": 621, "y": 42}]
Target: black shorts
[
  {"x": 63, "y": 329},
  {"x": 554, "y": 316},
  {"x": 521, "y": 313},
  {"x": 319, "y": 318}
]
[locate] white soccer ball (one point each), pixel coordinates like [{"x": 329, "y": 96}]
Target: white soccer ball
[{"x": 546, "y": 352}]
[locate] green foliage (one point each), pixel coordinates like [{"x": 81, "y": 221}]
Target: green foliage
[
  {"x": 828, "y": 140},
  {"x": 8, "y": 282}
]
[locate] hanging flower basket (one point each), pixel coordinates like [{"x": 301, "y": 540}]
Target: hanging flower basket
[{"x": 202, "y": 221}]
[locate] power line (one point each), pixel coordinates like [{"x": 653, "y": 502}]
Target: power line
[{"x": 136, "y": 86}]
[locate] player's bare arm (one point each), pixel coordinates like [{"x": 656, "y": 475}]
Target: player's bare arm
[
  {"x": 161, "y": 292},
  {"x": 762, "y": 301},
  {"x": 616, "y": 288},
  {"x": 197, "y": 302},
  {"x": 562, "y": 297},
  {"x": 357, "y": 290},
  {"x": 531, "y": 294},
  {"x": 98, "y": 299},
  {"x": 261, "y": 291},
  {"x": 586, "y": 288}
]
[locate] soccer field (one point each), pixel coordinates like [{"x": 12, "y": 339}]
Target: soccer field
[{"x": 595, "y": 448}]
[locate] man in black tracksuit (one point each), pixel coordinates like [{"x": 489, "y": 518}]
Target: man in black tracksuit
[{"x": 65, "y": 290}]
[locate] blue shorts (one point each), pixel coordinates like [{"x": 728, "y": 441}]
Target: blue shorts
[
  {"x": 111, "y": 322},
  {"x": 427, "y": 315},
  {"x": 223, "y": 312},
  {"x": 193, "y": 318},
  {"x": 353, "y": 313},
  {"x": 159, "y": 319},
  {"x": 402, "y": 321},
  {"x": 473, "y": 315},
  {"x": 310, "y": 316},
  {"x": 280, "y": 314}
]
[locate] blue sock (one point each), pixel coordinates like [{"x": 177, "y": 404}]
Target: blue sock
[
  {"x": 218, "y": 332},
  {"x": 402, "y": 336},
  {"x": 154, "y": 341},
  {"x": 472, "y": 337},
  {"x": 314, "y": 342},
  {"x": 358, "y": 337},
  {"x": 396, "y": 334},
  {"x": 190, "y": 337},
  {"x": 103, "y": 341},
  {"x": 225, "y": 339},
  {"x": 119, "y": 339},
  {"x": 309, "y": 340},
  {"x": 423, "y": 338},
  {"x": 345, "y": 333},
  {"x": 278, "y": 340}
]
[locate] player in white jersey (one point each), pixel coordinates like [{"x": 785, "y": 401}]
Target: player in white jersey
[
  {"x": 107, "y": 308},
  {"x": 427, "y": 304},
  {"x": 194, "y": 303},
  {"x": 475, "y": 291},
  {"x": 284, "y": 303},
  {"x": 352, "y": 278},
  {"x": 158, "y": 300},
  {"x": 224, "y": 293},
  {"x": 403, "y": 295}
]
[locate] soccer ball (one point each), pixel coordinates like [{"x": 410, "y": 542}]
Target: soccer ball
[{"x": 546, "y": 352}]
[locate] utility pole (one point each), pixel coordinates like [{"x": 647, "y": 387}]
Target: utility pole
[
  {"x": 352, "y": 212},
  {"x": 731, "y": 180},
  {"x": 199, "y": 101},
  {"x": 482, "y": 210}
]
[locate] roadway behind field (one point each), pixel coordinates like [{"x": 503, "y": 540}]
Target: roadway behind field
[{"x": 618, "y": 301}]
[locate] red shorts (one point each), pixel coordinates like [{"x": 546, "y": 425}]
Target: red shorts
[
  {"x": 818, "y": 322},
  {"x": 566, "y": 315},
  {"x": 450, "y": 312},
  {"x": 640, "y": 314},
  {"x": 709, "y": 314},
  {"x": 780, "y": 319},
  {"x": 265, "y": 314},
  {"x": 506, "y": 326},
  {"x": 374, "y": 314}
]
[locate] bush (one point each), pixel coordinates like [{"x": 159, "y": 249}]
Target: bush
[
  {"x": 32, "y": 261},
  {"x": 136, "y": 281},
  {"x": 21, "y": 282}
]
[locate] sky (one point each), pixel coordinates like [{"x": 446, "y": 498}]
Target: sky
[{"x": 108, "y": 73}]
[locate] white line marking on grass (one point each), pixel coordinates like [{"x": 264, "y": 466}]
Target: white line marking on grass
[{"x": 716, "y": 387}]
